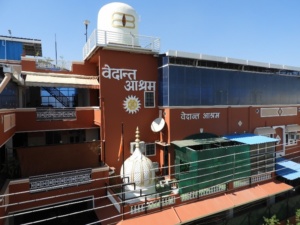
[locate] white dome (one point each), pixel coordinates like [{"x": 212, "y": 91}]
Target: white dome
[
  {"x": 138, "y": 168},
  {"x": 118, "y": 19}
]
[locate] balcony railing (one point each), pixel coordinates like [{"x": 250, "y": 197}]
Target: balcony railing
[
  {"x": 59, "y": 180},
  {"x": 102, "y": 38},
  {"x": 49, "y": 114},
  {"x": 203, "y": 192}
]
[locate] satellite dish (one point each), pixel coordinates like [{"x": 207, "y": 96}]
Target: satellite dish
[{"x": 157, "y": 124}]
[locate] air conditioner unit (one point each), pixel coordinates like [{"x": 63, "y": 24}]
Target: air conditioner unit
[{"x": 142, "y": 146}]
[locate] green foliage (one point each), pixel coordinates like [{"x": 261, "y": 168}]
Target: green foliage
[
  {"x": 271, "y": 221},
  {"x": 164, "y": 189},
  {"x": 297, "y": 217}
]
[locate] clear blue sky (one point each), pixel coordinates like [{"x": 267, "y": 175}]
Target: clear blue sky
[{"x": 258, "y": 30}]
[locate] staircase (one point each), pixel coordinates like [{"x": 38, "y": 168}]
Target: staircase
[{"x": 58, "y": 95}]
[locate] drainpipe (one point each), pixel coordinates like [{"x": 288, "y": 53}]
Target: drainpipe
[{"x": 5, "y": 81}]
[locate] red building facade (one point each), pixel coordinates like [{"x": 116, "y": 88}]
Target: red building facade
[{"x": 75, "y": 151}]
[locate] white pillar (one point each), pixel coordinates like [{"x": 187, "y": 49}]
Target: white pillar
[{"x": 5, "y": 81}]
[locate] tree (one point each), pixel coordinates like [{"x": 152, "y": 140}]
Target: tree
[
  {"x": 271, "y": 221},
  {"x": 297, "y": 217}
]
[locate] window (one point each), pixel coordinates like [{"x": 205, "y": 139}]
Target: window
[
  {"x": 150, "y": 149},
  {"x": 9, "y": 96},
  {"x": 58, "y": 97},
  {"x": 270, "y": 162},
  {"x": 262, "y": 159},
  {"x": 291, "y": 138},
  {"x": 53, "y": 137},
  {"x": 270, "y": 147},
  {"x": 77, "y": 136},
  {"x": 184, "y": 85},
  {"x": 149, "y": 99}
]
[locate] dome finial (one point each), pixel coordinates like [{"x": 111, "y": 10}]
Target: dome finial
[
  {"x": 138, "y": 168},
  {"x": 137, "y": 138}
]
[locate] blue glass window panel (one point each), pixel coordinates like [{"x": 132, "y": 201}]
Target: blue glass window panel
[
  {"x": 192, "y": 86},
  {"x": 48, "y": 100},
  {"x": 9, "y": 96},
  {"x": 163, "y": 99}
]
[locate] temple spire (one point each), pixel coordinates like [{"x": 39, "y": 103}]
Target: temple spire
[{"x": 137, "y": 138}]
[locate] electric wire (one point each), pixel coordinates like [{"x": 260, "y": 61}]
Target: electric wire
[
  {"x": 95, "y": 208},
  {"x": 116, "y": 176},
  {"x": 91, "y": 190},
  {"x": 173, "y": 174},
  {"x": 105, "y": 187},
  {"x": 110, "y": 186}
]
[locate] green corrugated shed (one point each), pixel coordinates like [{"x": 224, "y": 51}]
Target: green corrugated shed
[{"x": 202, "y": 163}]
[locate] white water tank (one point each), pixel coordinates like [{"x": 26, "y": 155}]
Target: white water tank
[{"x": 118, "y": 22}]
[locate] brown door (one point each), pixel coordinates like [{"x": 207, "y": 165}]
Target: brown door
[{"x": 280, "y": 145}]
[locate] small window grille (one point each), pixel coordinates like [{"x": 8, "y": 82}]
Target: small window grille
[
  {"x": 291, "y": 138},
  {"x": 150, "y": 149},
  {"x": 149, "y": 99}
]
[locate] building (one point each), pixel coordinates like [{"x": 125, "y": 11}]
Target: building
[{"x": 221, "y": 133}]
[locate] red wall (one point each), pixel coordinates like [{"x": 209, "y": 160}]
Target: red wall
[
  {"x": 79, "y": 68},
  {"x": 57, "y": 158},
  {"x": 5, "y": 135},
  {"x": 113, "y": 95},
  {"x": 225, "y": 120},
  {"x": 26, "y": 121},
  {"x": 231, "y": 120},
  {"x": 258, "y": 121},
  {"x": 94, "y": 97},
  {"x": 96, "y": 188},
  {"x": 84, "y": 68}
]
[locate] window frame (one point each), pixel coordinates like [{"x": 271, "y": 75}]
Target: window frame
[
  {"x": 264, "y": 159},
  {"x": 291, "y": 138},
  {"x": 146, "y": 99},
  {"x": 146, "y": 149}
]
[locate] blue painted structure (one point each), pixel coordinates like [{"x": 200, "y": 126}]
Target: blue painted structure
[
  {"x": 250, "y": 139},
  {"x": 213, "y": 83},
  {"x": 11, "y": 50},
  {"x": 287, "y": 169}
]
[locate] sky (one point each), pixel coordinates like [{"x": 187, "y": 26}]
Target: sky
[{"x": 257, "y": 30}]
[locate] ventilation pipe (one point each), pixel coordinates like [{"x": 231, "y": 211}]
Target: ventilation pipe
[{"x": 5, "y": 81}]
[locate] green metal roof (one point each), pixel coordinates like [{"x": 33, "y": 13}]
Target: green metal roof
[{"x": 194, "y": 142}]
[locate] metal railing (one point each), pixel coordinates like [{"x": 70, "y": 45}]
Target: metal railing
[
  {"x": 120, "y": 40},
  {"x": 53, "y": 65},
  {"x": 49, "y": 114},
  {"x": 59, "y": 180},
  {"x": 203, "y": 192},
  {"x": 153, "y": 204},
  {"x": 252, "y": 180}
]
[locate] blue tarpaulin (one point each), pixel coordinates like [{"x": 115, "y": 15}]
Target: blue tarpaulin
[
  {"x": 288, "y": 169},
  {"x": 250, "y": 139}
]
